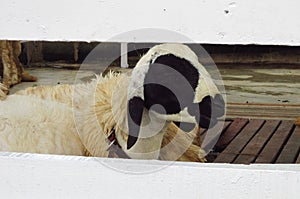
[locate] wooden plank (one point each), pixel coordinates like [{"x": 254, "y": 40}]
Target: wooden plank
[
  {"x": 235, "y": 127},
  {"x": 291, "y": 149},
  {"x": 274, "y": 146},
  {"x": 298, "y": 159},
  {"x": 203, "y": 133},
  {"x": 241, "y": 140},
  {"x": 250, "y": 152},
  {"x": 212, "y": 136},
  {"x": 271, "y": 111}
]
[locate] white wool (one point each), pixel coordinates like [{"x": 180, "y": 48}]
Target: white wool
[
  {"x": 108, "y": 112},
  {"x": 38, "y": 123},
  {"x": 29, "y": 124},
  {"x": 26, "y": 107},
  {"x": 205, "y": 86}
]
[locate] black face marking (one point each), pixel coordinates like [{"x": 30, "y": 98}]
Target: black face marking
[
  {"x": 159, "y": 86},
  {"x": 135, "y": 113},
  {"x": 205, "y": 108},
  {"x": 182, "y": 66},
  {"x": 210, "y": 109},
  {"x": 161, "y": 83},
  {"x": 171, "y": 83},
  {"x": 159, "y": 94}
]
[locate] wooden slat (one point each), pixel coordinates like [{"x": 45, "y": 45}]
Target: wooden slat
[
  {"x": 298, "y": 159},
  {"x": 291, "y": 149},
  {"x": 235, "y": 127},
  {"x": 259, "y": 111},
  {"x": 236, "y": 146},
  {"x": 250, "y": 152},
  {"x": 212, "y": 136},
  {"x": 204, "y": 133},
  {"x": 273, "y": 147}
]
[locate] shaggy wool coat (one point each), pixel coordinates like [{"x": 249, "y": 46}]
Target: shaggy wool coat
[{"x": 75, "y": 120}]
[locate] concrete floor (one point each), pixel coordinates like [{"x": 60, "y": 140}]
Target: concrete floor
[
  {"x": 264, "y": 92},
  {"x": 53, "y": 76}
]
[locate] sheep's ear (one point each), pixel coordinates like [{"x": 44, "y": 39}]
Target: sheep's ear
[{"x": 134, "y": 115}]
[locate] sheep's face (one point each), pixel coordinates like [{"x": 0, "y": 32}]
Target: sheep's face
[
  {"x": 171, "y": 91},
  {"x": 173, "y": 85}
]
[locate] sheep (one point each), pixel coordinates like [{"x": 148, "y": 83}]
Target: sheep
[
  {"x": 170, "y": 82},
  {"x": 114, "y": 99},
  {"x": 95, "y": 106},
  {"x": 30, "y": 124},
  {"x": 88, "y": 139}
]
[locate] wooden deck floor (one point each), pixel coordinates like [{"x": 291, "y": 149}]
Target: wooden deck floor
[{"x": 246, "y": 141}]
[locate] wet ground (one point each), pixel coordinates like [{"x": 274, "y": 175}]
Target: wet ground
[
  {"x": 262, "y": 85},
  {"x": 264, "y": 92}
]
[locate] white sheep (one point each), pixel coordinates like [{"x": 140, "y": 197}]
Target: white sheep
[
  {"x": 101, "y": 106},
  {"x": 30, "y": 124},
  {"x": 40, "y": 120}
]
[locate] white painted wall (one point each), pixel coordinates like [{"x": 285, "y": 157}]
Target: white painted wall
[
  {"x": 45, "y": 176},
  {"x": 247, "y": 22}
]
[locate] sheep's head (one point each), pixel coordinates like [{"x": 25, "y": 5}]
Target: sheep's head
[{"x": 171, "y": 83}]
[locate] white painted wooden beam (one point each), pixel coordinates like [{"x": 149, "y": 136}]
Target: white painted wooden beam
[
  {"x": 124, "y": 55},
  {"x": 273, "y": 22},
  {"x": 46, "y": 176}
]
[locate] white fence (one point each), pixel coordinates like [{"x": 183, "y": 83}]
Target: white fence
[
  {"x": 44, "y": 176},
  {"x": 274, "y": 22},
  {"x": 214, "y": 22}
]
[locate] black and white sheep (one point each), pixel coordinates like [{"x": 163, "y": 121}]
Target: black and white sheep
[
  {"x": 170, "y": 82},
  {"x": 43, "y": 120}
]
